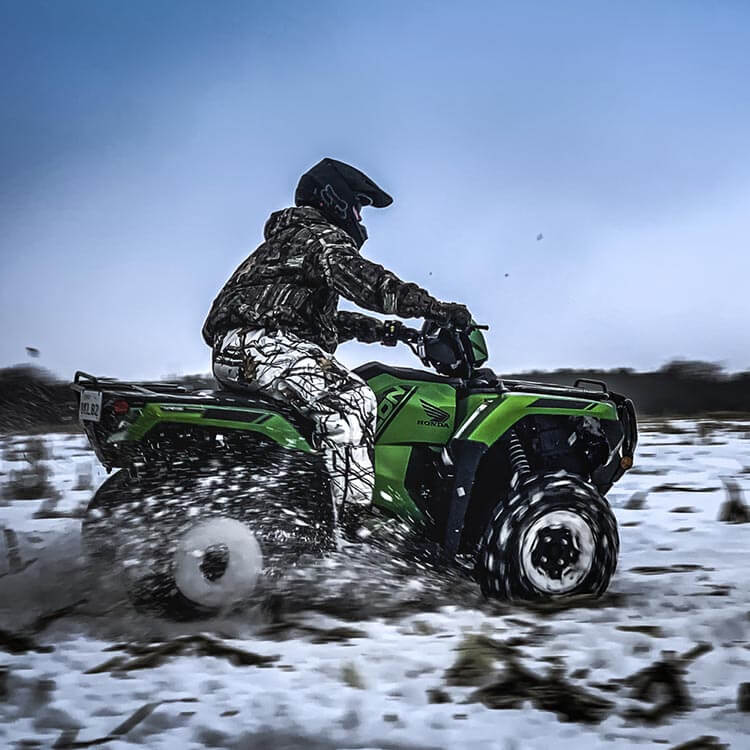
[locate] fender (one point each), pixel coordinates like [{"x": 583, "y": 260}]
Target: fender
[
  {"x": 493, "y": 417},
  {"x": 484, "y": 426},
  {"x": 265, "y": 421}
]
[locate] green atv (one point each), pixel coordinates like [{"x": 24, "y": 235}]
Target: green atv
[{"x": 218, "y": 487}]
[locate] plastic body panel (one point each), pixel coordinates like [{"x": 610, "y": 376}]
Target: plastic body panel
[
  {"x": 480, "y": 418},
  {"x": 493, "y": 418},
  {"x": 264, "y": 421},
  {"x": 390, "y": 494},
  {"x": 113, "y": 447},
  {"x": 413, "y": 412},
  {"x": 410, "y": 412}
]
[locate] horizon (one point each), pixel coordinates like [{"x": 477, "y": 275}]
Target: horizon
[
  {"x": 147, "y": 143},
  {"x": 720, "y": 370}
]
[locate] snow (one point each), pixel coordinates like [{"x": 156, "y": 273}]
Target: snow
[{"x": 361, "y": 673}]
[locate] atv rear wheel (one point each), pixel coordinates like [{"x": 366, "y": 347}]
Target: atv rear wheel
[
  {"x": 210, "y": 568},
  {"x": 193, "y": 542},
  {"x": 555, "y": 537}
]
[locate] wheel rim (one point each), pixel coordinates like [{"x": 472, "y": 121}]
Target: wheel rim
[
  {"x": 217, "y": 563},
  {"x": 557, "y": 552}
]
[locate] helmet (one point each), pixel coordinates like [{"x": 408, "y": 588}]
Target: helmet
[{"x": 339, "y": 191}]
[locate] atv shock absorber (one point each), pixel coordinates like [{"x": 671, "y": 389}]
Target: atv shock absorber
[{"x": 517, "y": 456}]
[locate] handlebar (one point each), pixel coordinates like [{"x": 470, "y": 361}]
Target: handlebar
[
  {"x": 448, "y": 355},
  {"x": 396, "y": 331},
  {"x": 409, "y": 335}
]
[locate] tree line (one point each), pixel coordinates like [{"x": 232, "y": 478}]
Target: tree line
[
  {"x": 679, "y": 388},
  {"x": 32, "y": 398}
]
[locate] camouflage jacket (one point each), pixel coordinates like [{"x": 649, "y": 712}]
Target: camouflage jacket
[{"x": 292, "y": 282}]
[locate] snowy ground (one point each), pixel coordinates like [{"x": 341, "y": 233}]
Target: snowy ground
[{"x": 370, "y": 663}]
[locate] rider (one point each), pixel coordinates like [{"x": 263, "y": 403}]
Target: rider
[{"x": 274, "y": 326}]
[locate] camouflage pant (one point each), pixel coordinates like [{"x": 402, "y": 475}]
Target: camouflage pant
[{"x": 339, "y": 402}]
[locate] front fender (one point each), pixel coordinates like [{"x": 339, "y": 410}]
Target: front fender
[
  {"x": 484, "y": 426},
  {"x": 494, "y": 417}
]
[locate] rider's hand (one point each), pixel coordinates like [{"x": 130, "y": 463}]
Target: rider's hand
[
  {"x": 369, "y": 330},
  {"x": 451, "y": 314}
]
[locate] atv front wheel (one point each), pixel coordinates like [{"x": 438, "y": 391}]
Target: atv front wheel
[{"x": 555, "y": 537}]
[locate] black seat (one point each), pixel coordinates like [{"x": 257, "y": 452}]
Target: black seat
[{"x": 369, "y": 370}]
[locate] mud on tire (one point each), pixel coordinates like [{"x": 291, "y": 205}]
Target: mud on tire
[{"x": 554, "y": 537}]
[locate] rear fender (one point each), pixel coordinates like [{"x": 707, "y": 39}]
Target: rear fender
[
  {"x": 116, "y": 440},
  {"x": 264, "y": 421}
]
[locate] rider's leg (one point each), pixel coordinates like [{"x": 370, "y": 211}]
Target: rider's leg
[
  {"x": 340, "y": 403},
  {"x": 345, "y": 419}
]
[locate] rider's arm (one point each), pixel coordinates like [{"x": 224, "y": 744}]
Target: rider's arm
[
  {"x": 365, "y": 283},
  {"x": 352, "y": 325}
]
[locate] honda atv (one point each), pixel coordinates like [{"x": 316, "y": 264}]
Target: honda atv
[{"x": 508, "y": 477}]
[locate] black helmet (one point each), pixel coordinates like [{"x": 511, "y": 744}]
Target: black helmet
[{"x": 339, "y": 191}]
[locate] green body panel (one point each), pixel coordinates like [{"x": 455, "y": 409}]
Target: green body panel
[
  {"x": 265, "y": 421},
  {"x": 391, "y": 462},
  {"x": 493, "y": 418},
  {"x": 478, "y": 347},
  {"x": 410, "y": 412},
  {"x": 482, "y": 417},
  {"x": 413, "y": 412},
  {"x": 468, "y": 405}
]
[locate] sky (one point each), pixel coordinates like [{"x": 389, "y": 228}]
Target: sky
[{"x": 143, "y": 145}]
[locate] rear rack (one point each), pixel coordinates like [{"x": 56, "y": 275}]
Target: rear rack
[
  {"x": 82, "y": 380},
  {"x": 137, "y": 390}
]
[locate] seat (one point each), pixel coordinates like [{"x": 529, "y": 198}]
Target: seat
[{"x": 370, "y": 370}]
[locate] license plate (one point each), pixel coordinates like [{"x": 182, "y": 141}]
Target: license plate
[{"x": 90, "y": 407}]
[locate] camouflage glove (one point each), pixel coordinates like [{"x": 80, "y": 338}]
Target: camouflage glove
[
  {"x": 369, "y": 330},
  {"x": 352, "y": 325},
  {"x": 450, "y": 314},
  {"x": 414, "y": 302}
]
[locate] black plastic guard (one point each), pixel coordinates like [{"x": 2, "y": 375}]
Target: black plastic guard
[{"x": 466, "y": 455}]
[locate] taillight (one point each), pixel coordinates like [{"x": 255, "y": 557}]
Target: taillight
[{"x": 120, "y": 407}]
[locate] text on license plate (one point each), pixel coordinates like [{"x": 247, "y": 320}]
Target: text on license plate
[{"x": 91, "y": 406}]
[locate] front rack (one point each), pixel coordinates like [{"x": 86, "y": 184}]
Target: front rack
[{"x": 552, "y": 389}]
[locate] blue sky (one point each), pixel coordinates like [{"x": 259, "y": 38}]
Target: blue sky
[{"x": 143, "y": 145}]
